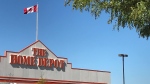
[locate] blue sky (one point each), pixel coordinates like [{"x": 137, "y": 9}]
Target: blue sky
[{"x": 76, "y": 36}]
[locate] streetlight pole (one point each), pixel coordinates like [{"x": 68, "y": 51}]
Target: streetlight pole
[{"x": 123, "y": 55}]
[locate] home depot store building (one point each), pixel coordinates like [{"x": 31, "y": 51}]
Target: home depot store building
[{"x": 36, "y": 60}]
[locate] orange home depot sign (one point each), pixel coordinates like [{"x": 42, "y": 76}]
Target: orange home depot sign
[{"x": 38, "y": 54}]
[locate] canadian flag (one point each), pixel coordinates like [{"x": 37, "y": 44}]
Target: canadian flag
[{"x": 31, "y": 9}]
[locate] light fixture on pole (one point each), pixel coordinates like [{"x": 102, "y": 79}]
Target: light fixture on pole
[{"x": 123, "y": 55}]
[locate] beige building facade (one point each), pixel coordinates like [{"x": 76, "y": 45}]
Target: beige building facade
[{"x": 36, "y": 61}]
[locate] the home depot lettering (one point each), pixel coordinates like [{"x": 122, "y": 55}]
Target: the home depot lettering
[{"x": 40, "y": 55}]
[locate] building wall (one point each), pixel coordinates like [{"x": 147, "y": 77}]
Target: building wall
[{"x": 68, "y": 73}]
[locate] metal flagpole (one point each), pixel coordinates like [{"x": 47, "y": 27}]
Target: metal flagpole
[{"x": 37, "y": 23}]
